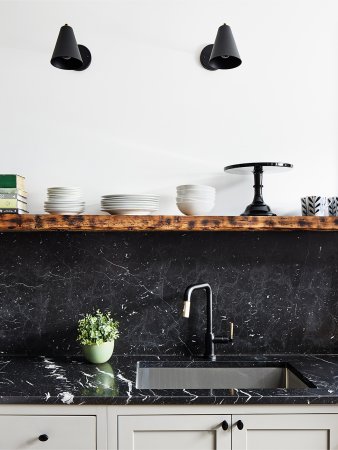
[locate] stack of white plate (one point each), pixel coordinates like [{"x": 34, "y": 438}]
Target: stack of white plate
[
  {"x": 130, "y": 204},
  {"x": 195, "y": 199},
  {"x": 64, "y": 200}
]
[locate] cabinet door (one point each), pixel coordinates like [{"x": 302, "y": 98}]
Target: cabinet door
[
  {"x": 286, "y": 432},
  {"x": 176, "y": 432},
  {"x": 55, "y": 432}
]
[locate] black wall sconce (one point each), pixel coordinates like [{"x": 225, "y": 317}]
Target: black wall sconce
[
  {"x": 223, "y": 54},
  {"x": 67, "y": 54}
]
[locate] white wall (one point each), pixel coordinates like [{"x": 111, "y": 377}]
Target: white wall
[{"x": 146, "y": 116}]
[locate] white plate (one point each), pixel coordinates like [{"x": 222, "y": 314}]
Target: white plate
[
  {"x": 130, "y": 195},
  {"x": 65, "y": 195},
  {"x": 129, "y": 203},
  {"x": 129, "y": 207},
  {"x": 130, "y": 212},
  {"x": 65, "y": 199},
  {"x": 152, "y": 199},
  {"x": 64, "y": 209},
  {"x": 130, "y": 200},
  {"x": 64, "y": 188},
  {"x": 71, "y": 208},
  {"x": 65, "y": 213},
  {"x": 64, "y": 203},
  {"x": 122, "y": 202}
]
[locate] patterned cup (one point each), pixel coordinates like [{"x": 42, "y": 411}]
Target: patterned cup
[
  {"x": 316, "y": 206},
  {"x": 333, "y": 206}
]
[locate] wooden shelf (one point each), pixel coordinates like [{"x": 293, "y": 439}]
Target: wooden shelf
[{"x": 48, "y": 222}]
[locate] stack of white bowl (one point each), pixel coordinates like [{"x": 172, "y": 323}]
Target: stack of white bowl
[
  {"x": 129, "y": 204},
  {"x": 195, "y": 199},
  {"x": 64, "y": 200}
]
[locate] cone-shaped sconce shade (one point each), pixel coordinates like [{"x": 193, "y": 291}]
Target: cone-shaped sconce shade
[
  {"x": 223, "y": 54},
  {"x": 67, "y": 54}
]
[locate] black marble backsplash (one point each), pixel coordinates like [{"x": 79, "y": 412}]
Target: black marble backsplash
[{"x": 280, "y": 289}]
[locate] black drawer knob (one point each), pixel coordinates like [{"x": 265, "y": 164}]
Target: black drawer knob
[
  {"x": 240, "y": 425},
  {"x": 225, "y": 425},
  {"x": 43, "y": 437}
]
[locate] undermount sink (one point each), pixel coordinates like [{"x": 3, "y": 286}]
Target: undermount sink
[{"x": 206, "y": 375}]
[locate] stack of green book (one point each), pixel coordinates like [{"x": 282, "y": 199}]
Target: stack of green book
[{"x": 13, "y": 195}]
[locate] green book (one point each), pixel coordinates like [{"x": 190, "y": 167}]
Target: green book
[{"x": 12, "y": 181}]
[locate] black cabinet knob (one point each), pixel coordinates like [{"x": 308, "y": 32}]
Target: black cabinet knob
[
  {"x": 225, "y": 425},
  {"x": 240, "y": 425},
  {"x": 43, "y": 437}
]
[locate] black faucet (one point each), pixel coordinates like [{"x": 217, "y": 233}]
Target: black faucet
[{"x": 210, "y": 338}]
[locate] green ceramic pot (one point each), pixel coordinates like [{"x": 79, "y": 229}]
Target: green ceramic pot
[{"x": 98, "y": 354}]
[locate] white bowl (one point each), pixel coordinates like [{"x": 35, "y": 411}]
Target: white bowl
[
  {"x": 195, "y": 192},
  {"x": 201, "y": 187},
  {"x": 196, "y": 197},
  {"x": 195, "y": 208},
  {"x": 196, "y": 202},
  {"x": 210, "y": 191}
]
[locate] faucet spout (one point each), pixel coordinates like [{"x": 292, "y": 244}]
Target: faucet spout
[
  {"x": 187, "y": 296},
  {"x": 210, "y": 338}
]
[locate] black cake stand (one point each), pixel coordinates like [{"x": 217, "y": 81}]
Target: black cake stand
[{"x": 258, "y": 207}]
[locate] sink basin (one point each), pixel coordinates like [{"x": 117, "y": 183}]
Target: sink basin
[{"x": 206, "y": 375}]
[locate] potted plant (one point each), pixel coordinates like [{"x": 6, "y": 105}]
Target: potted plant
[{"x": 97, "y": 334}]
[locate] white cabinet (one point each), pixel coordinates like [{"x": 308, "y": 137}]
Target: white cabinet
[
  {"x": 273, "y": 431},
  {"x": 169, "y": 427},
  {"x": 47, "y": 432},
  {"x": 174, "y": 432},
  {"x": 285, "y": 432}
]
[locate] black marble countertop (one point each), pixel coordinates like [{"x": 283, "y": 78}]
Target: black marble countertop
[{"x": 44, "y": 380}]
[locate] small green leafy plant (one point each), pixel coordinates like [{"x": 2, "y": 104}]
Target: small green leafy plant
[{"x": 95, "y": 329}]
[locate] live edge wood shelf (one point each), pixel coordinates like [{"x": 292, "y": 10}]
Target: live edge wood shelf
[{"x": 48, "y": 222}]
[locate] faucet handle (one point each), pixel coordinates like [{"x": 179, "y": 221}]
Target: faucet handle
[
  {"x": 231, "y": 331},
  {"x": 223, "y": 339},
  {"x": 186, "y": 309}
]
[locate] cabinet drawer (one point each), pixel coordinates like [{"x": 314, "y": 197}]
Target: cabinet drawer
[
  {"x": 174, "y": 432},
  {"x": 285, "y": 431},
  {"x": 55, "y": 432}
]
